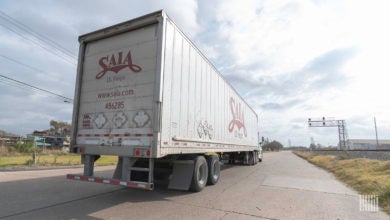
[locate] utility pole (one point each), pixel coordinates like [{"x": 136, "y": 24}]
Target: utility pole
[
  {"x": 34, "y": 156},
  {"x": 44, "y": 144},
  {"x": 376, "y": 134}
]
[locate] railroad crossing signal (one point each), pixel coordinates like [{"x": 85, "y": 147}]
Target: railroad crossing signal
[{"x": 340, "y": 124}]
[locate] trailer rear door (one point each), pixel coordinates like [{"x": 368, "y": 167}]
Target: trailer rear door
[{"x": 117, "y": 88}]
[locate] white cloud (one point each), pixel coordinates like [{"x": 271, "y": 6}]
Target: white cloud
[
  {"x": 63, "y": 21},
  {"x": 291, "y": 59},
  {"x": 267, "y": 45}
]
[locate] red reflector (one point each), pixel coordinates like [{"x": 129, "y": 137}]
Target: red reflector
[
  {"x": 80, "y": 135},
  {"x": 127, "y": 134},
  {"x": 70, "y": 176},
  {"x": 81, "y": 150},
  {"x": 116, "y": 135},
  {"x": 150, "y": 134},
  {"x": 165, "y": 142},
  {"x": 137, "y": 152},
  {"x": 148, "y": 153},
  {"x": 116, "y": 182},
  {"x": 131, "y": 184},
  {"x": 98, "y": 180},
  {"x": 106, "y": 135},
  {"x": 97, "y": 135},
  {"x": 87, "y": 135}
]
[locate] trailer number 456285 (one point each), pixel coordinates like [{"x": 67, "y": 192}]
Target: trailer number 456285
[{"x": 115, "y": 105}]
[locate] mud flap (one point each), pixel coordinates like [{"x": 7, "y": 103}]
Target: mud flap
[{"x": 181, "y": 175}]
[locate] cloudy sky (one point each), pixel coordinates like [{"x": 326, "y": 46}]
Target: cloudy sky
[{"x": 290, "y": 60}]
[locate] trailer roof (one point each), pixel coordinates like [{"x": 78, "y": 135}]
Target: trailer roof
[{"x": 144, "y": 20}]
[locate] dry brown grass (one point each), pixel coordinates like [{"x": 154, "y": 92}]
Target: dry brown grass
[
  {"x": 3, "y": 150},
  {"x": 52, "y": 160},
  {"x": 367, "y": 176}
]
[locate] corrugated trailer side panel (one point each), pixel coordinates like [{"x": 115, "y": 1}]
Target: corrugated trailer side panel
[{"x": 201, "y": 112}]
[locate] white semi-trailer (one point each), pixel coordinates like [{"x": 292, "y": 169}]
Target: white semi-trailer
[{"x": 146, "y": 93}]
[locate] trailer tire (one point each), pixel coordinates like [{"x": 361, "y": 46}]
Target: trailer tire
[
  {"x": 200, "y": 174},
  {"x": 256, "y": 157},
  {"x": 214, "y": 170},
  {"x": 251, "y": 158}
]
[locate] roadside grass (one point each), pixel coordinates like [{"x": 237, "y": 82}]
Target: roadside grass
[
  {"x": 51, "y": 160},
  {"x": 367, "y": 176}
]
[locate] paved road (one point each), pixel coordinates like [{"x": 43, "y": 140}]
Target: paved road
[{"x": 282, "y": 187}]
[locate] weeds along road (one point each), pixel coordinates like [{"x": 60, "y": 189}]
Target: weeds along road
[{"x": 283, "y": 186}]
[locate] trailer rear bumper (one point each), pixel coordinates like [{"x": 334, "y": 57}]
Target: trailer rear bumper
[{"x": 132, "y": 184}]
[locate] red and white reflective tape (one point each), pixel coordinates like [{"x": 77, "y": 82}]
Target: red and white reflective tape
[
  {"x": 116, "y": 135},
  {"x": 110, "y": 181},
  {"x": 187, "y": 144}
]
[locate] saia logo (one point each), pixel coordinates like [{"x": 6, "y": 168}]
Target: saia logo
[
  {"x": 115, "y": 63},
  {"x": 238, "y": 117}
]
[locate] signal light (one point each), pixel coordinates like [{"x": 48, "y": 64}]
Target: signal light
[{"x": 141, "y": 152}]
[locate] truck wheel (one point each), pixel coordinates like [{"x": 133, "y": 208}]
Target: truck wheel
[
  {"x": 214, "y": 170},
  {"x": 256, "y": 157},
  {"x": 200, "y": 174},
  {"x": 251, "y": 158}
]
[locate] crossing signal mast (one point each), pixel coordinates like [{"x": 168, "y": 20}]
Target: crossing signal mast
[{"x": 340, "y": 124}]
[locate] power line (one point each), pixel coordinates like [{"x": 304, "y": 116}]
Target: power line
[
  {"x": 38, "y": 39},
  {"x": 37, "y": 34},
  {"x": 14, "y": 84},
  {"x": 66, "y": 99},
  {"x": 21, "y": 63},
  {"x": 22, "y": 85},
  {"x": 39, "y": 44}
]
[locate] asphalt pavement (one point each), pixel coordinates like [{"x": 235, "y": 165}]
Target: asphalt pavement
[{"x": 283, "y": 186}]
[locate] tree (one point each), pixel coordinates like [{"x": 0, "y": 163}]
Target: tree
[
  {"x": 5, "y": 133},
  {"x": 59, "y": 128},
  {"x": 273, "y": 146}
]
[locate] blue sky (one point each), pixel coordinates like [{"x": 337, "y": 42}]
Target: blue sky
[{"x": 290, "y": 60}]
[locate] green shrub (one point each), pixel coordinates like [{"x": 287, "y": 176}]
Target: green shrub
[{"x": 27, "y": 147}]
